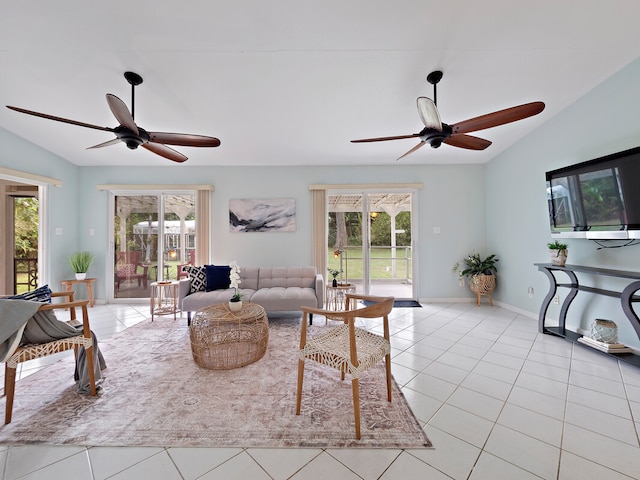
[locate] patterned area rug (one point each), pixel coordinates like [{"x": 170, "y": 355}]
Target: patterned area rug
[{"x": 155, "y": 395}]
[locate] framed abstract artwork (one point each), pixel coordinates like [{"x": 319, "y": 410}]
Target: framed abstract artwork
[{"x": 262, "y": 215}]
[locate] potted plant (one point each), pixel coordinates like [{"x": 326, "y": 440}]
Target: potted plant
[
  {"x": 235, "y": 302},
  {"x": 480, "y": 273},
  {"x": 558, "y": 253},
  {"x": 334, "y": 273},
  {"x": 80, "y": 263}
]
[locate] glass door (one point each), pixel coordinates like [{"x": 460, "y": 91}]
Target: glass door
[
  {"x": 153, "y": 238},
  {"x": 390, "y": 253},
  {"x": 369, "y": 241}
]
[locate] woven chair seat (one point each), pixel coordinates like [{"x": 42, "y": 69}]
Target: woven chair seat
[
  {"x": 332, "y": 348},
  {"x": 31, "y": 352}
]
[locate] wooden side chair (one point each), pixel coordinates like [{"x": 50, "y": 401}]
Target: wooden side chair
[
  {"x": 31, "y": 352},
  {"x": 348, "y": 348}
]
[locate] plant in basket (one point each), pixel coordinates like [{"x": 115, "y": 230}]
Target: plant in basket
[{"x": 480, "y": 273}]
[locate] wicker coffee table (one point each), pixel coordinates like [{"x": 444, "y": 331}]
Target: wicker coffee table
[{"x": 222, "y": 339}]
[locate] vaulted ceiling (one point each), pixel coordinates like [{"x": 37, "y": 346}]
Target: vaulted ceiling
[{"x": 291, "y": 82}]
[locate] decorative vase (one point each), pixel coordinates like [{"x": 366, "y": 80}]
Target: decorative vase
[
  {"x": 604, "y": 331},
  {"x": 235, "y": 306},
  {"x": 334, "y": 283},
  {"x": 81, "y": 276},
  {"x": 558, "y": 257}
]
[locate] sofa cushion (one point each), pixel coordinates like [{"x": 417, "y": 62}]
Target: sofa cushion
[
  {"x": 285, "y": 299},
  {"x": 198, "y": 277},
  {"x": 218, "y": 277},
  {"x": 302, "y": 277}
]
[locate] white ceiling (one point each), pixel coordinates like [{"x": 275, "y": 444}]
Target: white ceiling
[{"x": 291, "y": 82}]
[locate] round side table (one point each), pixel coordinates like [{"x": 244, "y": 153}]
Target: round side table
[
  {"x": 164, "y": 298},
  {"x": 335, "y": 297}
]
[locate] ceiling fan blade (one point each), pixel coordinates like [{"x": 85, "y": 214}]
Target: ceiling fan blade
[
  {"x": 60, "y": 119},
  {"x": 121, "y": 112},
  {"x": 384, "y": 139},
  {"x": 165, "y": 152},
  {"x": 500, "y": 117},
  {"x": 106, "y": 144},
  {"x": 184, "y": 139},
  {"x": 421, "y": 144},
  {"x": 467, "y": 141},
  {"x": 429, "y": 113}
]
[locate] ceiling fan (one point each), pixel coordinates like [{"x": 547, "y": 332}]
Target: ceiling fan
[
  {"x": 436, "y": 133},
  {"x": 132, "y": 135}
]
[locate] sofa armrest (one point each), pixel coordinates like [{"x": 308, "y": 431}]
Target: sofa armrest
[
  {"x": 320, "y": 290},
  {"x": 184, "y": 286}
]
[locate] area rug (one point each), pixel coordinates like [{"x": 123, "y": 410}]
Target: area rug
[{"x": 155, "y": 395}]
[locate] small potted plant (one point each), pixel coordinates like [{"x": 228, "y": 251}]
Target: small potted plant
[
  {"x": 558, "y": 253},
  {"x": 334, "y": 273},
  {"x": 235, "y": 302},
  {"x": 480, "y": 273},
  {"x": 80, "y": 263}
]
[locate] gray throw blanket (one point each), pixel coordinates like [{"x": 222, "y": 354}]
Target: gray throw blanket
[{"x": 43, "y": 327}]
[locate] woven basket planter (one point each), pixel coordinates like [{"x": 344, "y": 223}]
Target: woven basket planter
[{"x": 482, "y": 285}]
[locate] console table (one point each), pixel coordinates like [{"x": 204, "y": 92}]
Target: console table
[{"x": 627, "y": 297}]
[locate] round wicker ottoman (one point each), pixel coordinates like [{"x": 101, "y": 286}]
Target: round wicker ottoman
[{"x": 222, "y": 339}]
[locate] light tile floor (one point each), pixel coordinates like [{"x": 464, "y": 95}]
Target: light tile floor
[{"x": 497, "y": 399}]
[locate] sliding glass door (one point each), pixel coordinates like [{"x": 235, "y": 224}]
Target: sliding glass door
[
  {"x": 370, "y": 241},
  {"x": 154, "y": 235}
]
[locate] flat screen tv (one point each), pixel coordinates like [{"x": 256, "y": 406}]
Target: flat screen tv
[{"x": 596, "y": 199}]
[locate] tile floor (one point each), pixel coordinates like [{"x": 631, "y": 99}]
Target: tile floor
[{"x": 497, "y": 399}]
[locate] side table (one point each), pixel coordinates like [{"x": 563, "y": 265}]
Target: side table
[
  {"x": 68, "y": 286},
  {"x": 164, "y": 298},
  {"x": 335, "y": 297}
]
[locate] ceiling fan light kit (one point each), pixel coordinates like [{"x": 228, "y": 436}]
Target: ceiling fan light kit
[
  {"x": 131, "y": 134},
  {"x": 435, "y": 133}
]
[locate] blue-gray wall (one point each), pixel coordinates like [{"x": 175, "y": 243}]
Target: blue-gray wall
[
  {"x": 602, "y": 122},
  {"x": 496, "y": 208}
]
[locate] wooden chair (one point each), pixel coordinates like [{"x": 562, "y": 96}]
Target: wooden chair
[
  {"x": 128, "y": 272},
  {"x": 31, "y": 352},
  {"x": 348, "y": 348},
  {"x": 180, "y": 268}
]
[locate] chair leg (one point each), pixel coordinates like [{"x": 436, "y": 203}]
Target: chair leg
[
  {"x": 6, "y": 374},
  {"x": 387, "y": 361},
  {"x": 9, "y": 390},
  {"x": 92, "y": 374},
  {"x": 356, "y": 405},
  {"x": 299, "y": 389}
]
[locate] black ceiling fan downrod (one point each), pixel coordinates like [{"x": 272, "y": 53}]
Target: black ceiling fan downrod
[
  {"x": 133, "y": 79},
  {"x": 433, "y": 78}
]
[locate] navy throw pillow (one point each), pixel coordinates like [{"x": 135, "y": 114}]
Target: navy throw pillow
[
  {"x": 218, "y": 277},
  {"x": 40, "y": 294}
]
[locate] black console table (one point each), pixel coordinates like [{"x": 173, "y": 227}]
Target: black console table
[{"x": 627, "y": 297}]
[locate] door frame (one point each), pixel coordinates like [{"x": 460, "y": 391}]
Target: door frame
[{"x": 365, "y": 191}]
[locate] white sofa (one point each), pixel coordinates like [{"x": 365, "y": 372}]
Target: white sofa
[{"x": 276, "y": 289}]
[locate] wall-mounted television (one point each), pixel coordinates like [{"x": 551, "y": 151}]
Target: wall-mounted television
[{"x": 596, "y": 199}]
